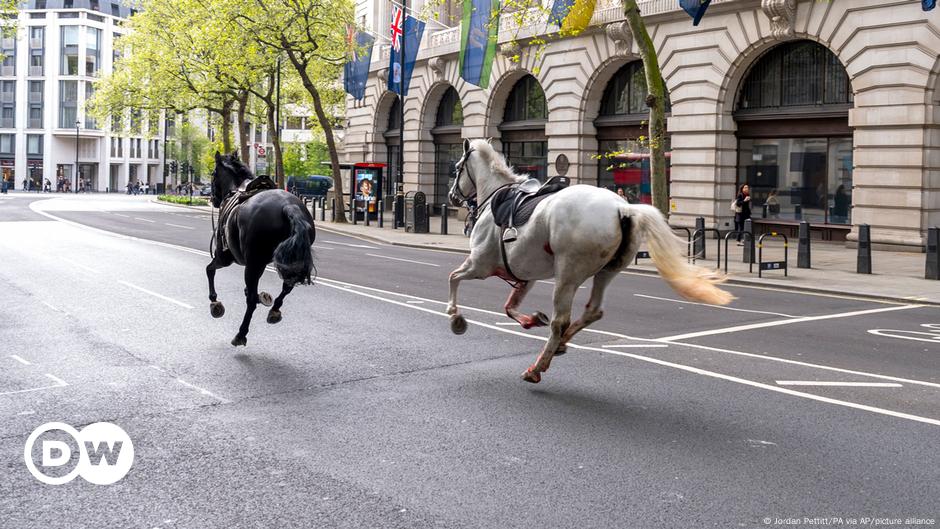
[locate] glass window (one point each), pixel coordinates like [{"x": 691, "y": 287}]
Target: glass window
[
  {"x": 526, "y": 101},
  {"x": 92, "y": 51},
  {"x": 8, "y": 48},
  {"x": 7, "y": 143},
  {"x": 34, "y": 144},
  {"x": 528, "y": 157},
  {"x": 295, "y": 123},
  {"x": 69, "y": 55},
  {"x": 450, "y": 110},
  {"x": 799, "y": 178},
  {"x": 802, "y": 73},
  {"x": 68, "y": 104},
  {"x": 394, "y": 116},
  {"x": 90, "y": 122},
  {"x": 624, "y": 165}
]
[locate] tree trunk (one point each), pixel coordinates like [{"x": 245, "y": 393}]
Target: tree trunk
[
  {"x": 244, "y": 135},
  {"x": 656, "y": 101},
  {"x": 226, "y": 114},
  {"x": 339, "y": 203},
  {"x": 276, "y": 140}
]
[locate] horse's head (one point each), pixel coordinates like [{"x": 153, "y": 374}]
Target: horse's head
[
  {"x": 464, "y": 187},
  {"x": 229, "y": 173},
  {"x": 480, "y": 172}
]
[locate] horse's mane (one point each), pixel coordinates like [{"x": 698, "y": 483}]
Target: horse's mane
[
  {"x": 495, "y": 160},
  {"x": 239, "y": 170}
]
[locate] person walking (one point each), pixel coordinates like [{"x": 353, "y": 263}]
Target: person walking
[{"x": 742, "y": 210}]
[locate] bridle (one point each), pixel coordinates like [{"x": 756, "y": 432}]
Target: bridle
[{"x": 461, "y": 164}]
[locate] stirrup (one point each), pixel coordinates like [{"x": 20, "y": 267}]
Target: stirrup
[{"x": 510, "y": 235}]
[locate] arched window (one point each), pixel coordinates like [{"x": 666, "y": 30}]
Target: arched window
[
  {"x": 623, "y": 152},
  {"x": 392, "y": 147},
  {"x": 525, "y": 144},
  {"x": 448, "y": 143},
  {"x": 794, "y": 140}
]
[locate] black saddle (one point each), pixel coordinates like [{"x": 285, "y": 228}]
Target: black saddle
[
  {"x": 246, "y": 190},
  {"x": 513, "y": 206}
]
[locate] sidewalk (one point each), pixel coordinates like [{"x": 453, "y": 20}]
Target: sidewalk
[{"x": 898, "y": 276}]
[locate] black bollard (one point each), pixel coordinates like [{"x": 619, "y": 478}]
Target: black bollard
[
  {"x": 365, "y": 213},
  {"x": 798, "y": 212},
  {"x": 864, "y": 249},
  {"x": 333, "y": 211},
  {"x": 322, "y": 208},
  {"x": 803, "y": 251},
  {"x": 698, "y": 245},
  {"x": 749, "y": 242},
  {"x": 381, "y": 213},
  {"x": 443, "y": 219},
  {"x": 352, "y": 208},
  {"x": 764, "y": 209},
  {"x": 933, "y": 253}
]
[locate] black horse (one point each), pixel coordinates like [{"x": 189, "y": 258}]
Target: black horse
[{"x": 255, "y": 228}]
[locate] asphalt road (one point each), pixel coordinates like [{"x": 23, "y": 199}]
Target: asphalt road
[{"x": 361, "y": 409}]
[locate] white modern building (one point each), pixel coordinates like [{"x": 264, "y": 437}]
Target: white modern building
[
  {"x": 832, "y": 107},
  {"x": 62, "y": 47}
]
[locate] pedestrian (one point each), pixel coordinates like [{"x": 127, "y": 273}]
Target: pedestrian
[
  {"x": 621, "y": 194},
  {"x": 773, "y": 203},
  {"x": 742, "y": 210},
  {"x": 48, "y": 187}
]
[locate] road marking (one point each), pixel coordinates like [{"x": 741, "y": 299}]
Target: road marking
[
  {"x": 504, "y": 323},
  {"x": 154, "y": 294},
  {"x": 838, "y": 384},
  {"x": 643, "y": 345},
  {"x": 553, "y": 283},
  {"x": 403, "y": 260},
  {"x": 21, "y": 360},
  {"x": 932, "y": 336},
  {"x": 203, "y": 391},
  {"x": 122, "y": 215},
  {"x": 56, "y": 379},
  {"x": 79, "y": 265},
  {"x": 352, "y": 245},
  {"x": 684, "y": 302},
  {"x": 415, "y": 302},
  {"x": 145, "y": 220},
  {"x": 179, "y": 226},
  {"x": 752, "y": 326}
]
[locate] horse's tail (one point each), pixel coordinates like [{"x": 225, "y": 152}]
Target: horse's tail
[
  {"x": 667, "y": 250},
  {"x": 293, "y": 258}
]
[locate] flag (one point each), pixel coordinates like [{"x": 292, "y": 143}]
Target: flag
[
  {"x": 356, "y": 69},
  {"x": 407, "y": 30},
  {"x": 928, "y": 4},
  {"x": 572, "y": 15},
  {"x": 479, "y": 29},
  {"x": 695, "y": 9}
]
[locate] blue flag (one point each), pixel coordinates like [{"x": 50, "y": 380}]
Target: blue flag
[
  {"x": 479, "y": 30},
  {"x": 356, "y": 70},
  {"x": 399, "y": 77},
  {"x": 560, "y": 10},
  {"x": 695, "y": 9},
  {"x": 928, "y": 4}
]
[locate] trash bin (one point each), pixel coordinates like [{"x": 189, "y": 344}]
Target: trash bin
[{"x": 416, "y": 212}]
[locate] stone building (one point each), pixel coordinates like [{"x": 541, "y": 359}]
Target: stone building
[{"x": 829, "y": 106}]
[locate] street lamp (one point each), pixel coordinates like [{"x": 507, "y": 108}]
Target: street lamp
[{"x": 77, "y": 125}]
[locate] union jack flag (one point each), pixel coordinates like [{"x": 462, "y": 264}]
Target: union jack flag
[{"x": 396, "y": 28}]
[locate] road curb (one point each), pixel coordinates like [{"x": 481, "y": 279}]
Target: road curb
[
  {"x": 162, "y": 203},
  {"x": 372, "y": 238}
]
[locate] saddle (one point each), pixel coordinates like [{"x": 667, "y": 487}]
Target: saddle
[
  {"x": 513, "y": 206},
  {"x": 246, "y": 190}
]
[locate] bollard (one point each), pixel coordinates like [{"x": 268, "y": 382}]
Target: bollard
[
  {"x": 443, "y": 219},
  {"x": 352, "y": 208},
  {"x": 803, "y": 251},
  {"x": 698, "y": 244},
  {"x": 798, "y": 212},
  {"x": 322, "y": 208},
  {"x": 933, "y": 253},
  {"x": 764, "y": 209},
  {"x": 365, "y": 213},
  {"x": 395, "y": 215},
  {"x": 381, "y": 213},
  {"x": 864, "y": 249},
  {"x": 333, "y": 211},
  {"x": 749, "y": 242}
]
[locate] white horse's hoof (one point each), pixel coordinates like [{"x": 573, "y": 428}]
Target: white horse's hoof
[
  {"x": 532, "y": 376},
  {"x": 561, "y": 350},
  {"x": 458, "y": 325},
  {"x": 265, "y": 299}
]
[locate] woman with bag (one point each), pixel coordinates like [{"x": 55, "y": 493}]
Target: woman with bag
[{"x": 742, "y": 210}]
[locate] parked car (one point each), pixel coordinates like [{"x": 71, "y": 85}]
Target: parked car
[
  {"x": 206, "y": 191},
  {"x": 314, "y": 186}
]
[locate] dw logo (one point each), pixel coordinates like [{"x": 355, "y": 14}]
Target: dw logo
[{"x": 105, "y": 453}]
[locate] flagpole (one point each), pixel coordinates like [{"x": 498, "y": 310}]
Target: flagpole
[{"x": 400, "y": 185}]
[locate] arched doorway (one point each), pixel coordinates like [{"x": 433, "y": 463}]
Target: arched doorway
[
  {"x": 392, "y": 136},
  {"x": 794, "y": 140},
  {"x": 622, "y": 132},
  {"x": 448, "y": 146},
  {"x": 522, "y": 131}
]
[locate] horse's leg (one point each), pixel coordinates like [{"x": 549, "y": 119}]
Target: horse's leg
[
  {"x": 518, "y": 293},
  {"x": 252, "y": 277},
  {"x": 592, "y": 311},
  {"x": 563, "y": 297},
  {"x": 215, "y": 307},
  {"x": 458, "y": 325},
  {"x": 274, "y": 315}
]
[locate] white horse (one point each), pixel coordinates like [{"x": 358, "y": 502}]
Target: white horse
[{"x": 576, "y": 233}]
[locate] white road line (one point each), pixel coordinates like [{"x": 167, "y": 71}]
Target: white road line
[
  {"x": 122, "y": 215},
  {"x": 21, "y": 360},
  {"x": 684, "y": 302},
  {"x": 31, "y": 390},
  {"x": 154, "y": 294},
  {"x": 145, "y": 220},
  {"x": 179, "y": 226},
  {"x": 79, "y": 265},
  {"x": 415, "y": 302},
  {"x": 640, "y": 345},
  {"x": 690, "y": 369},
  {"x": 56, "y": 379},
  {"x": 553, "y": 283},
  {"x": 752, "y": 326},
  {"x": 203, "y": 391},
  {"x": 839, "y": 384},
  {"x": 504, "y": 323},
  {"x": 403, "y": 260},
  {"x": 352, "y": 245}
]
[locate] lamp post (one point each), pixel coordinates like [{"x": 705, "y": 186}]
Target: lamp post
[
  {"x": 77, "y": 125},
  {"x": 165, "y": 168}
]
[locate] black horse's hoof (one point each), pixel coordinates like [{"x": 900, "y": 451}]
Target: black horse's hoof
[
  {"x": 239, "y": 340},
  {"x": 216, "y": 309},
  {"x": 561, "y": 350},
  {"x": 458, "y": 325},
  {"x": 541, "y": 318},
  {"x": 265, "y": 299},
  {"x": 274, "y": 316}
]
